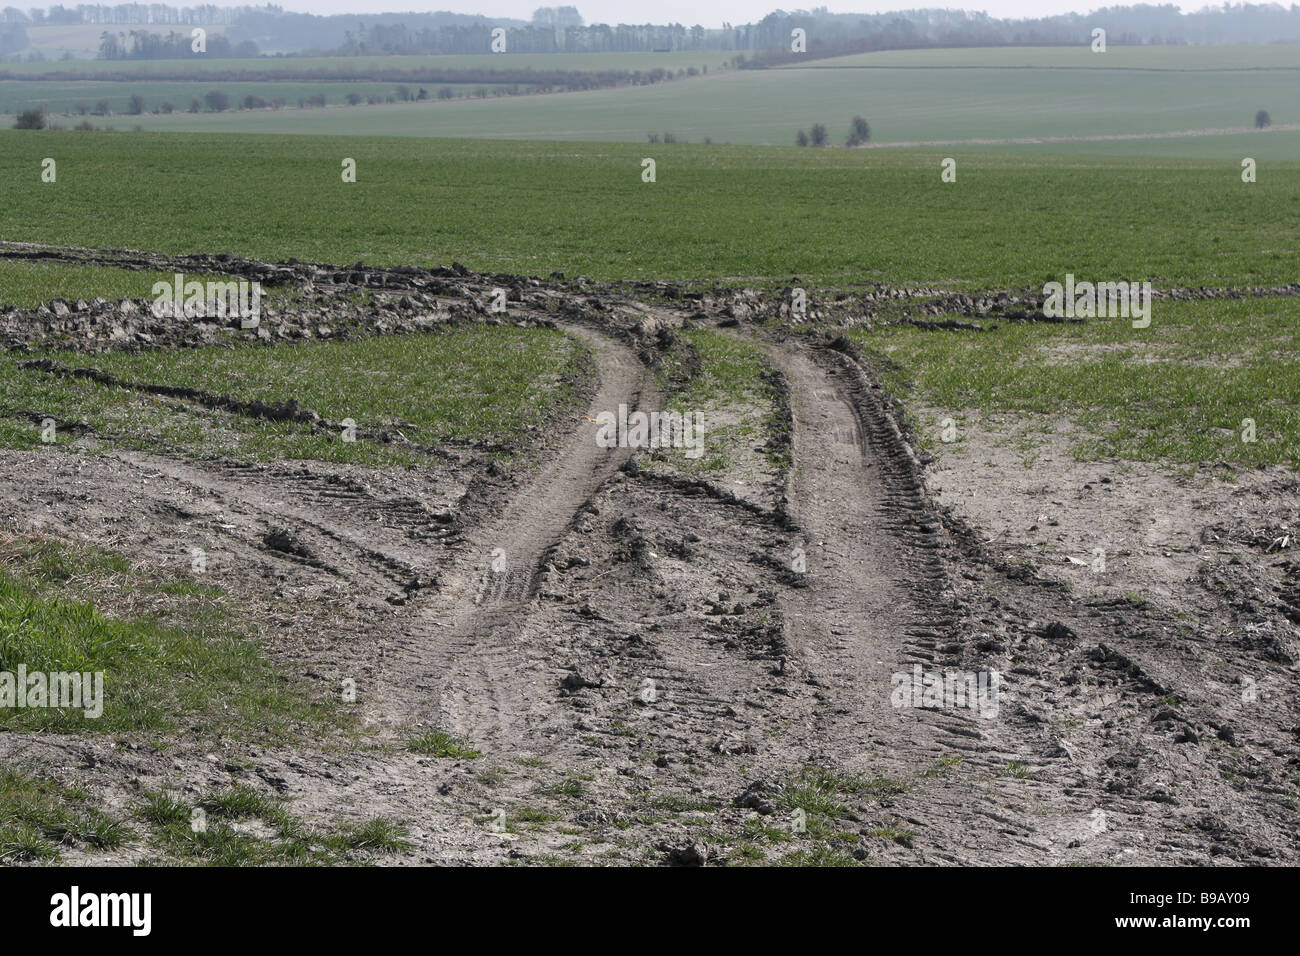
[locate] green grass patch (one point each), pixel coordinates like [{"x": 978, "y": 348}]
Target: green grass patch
[
  {"x": 1177, "y": 392},
  {"x": 165, "y": 662},
  {"x": 28, "y": 284},
  {"x": 437, "y": 743},
  {"x": 39, "y": 817},
  {"x": 240, "y": 826},
  {"x": 495, "y": 384},
  {"x": 736, "y": 404}
]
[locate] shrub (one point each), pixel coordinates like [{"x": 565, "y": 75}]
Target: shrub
[
  {"x": 30, "y": 119},
  {"x": 859, "y": 132}
]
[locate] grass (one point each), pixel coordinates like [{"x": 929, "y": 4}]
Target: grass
[
  {"x": 39, "y": 817},
  {"x": 29, "y": 284},
  {"x": 494, "y": 384},
  {"x": 728, "y": 393},
  {"x": 829, "y": 216},
  {"x": 560, "y": 788},
  {"x": 437, "y": 743},
  {"x": 820, "y": 791},
  {"x": 1177, "y": 392},
  {"x": 1238, "y": 56},
  {"x": 166, "y": 661},
  {"x": 244, "y": 827},
  {"x": 346, "y": 67}
]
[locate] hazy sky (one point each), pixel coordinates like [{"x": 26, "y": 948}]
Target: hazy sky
[{"x": 710, "y": 13}]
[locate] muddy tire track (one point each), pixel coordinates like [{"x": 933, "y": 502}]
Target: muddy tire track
[{"x": 458, "y": 666}]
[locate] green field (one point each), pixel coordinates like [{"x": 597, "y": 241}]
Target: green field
[
  {"x": 916, "y": 97},
  {"x": 469, "y": 384},
  {"x": 1176, "y": 392},
  {"x": 350, "y": 65},
  {"x": 28, "y": 284},
  {"x": 1225, "y": 57},
  {"x": 831, "y": 216}
]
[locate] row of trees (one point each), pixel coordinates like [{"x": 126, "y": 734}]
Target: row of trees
[
  {"x": 550, "y": 31},
  {"x": 143, "y": 45},
  {"x": 563, "y": 29},
  {"x": 127, "y": 14},
  {"x": 859, "y": 134},
  {"x": 217, "y": 101}
]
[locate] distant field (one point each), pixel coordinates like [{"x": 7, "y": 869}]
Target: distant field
[
  {"x": 346, "y": 65},
  {"x": 1228, "y": 56},
  {"x": 929, "y": 103},
  {"x": 832, "y": 216},
  {"x": 64, "y": 97},
  {"x": 83, "y": 39}
]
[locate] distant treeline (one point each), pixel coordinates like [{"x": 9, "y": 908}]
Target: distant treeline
[
  {"x": 416, "y": 33},
  {"x": 131, "y": 14},
  {"x": 562, "y": 30},
  {"x": 530, "y": 81},
  {"x": 143, "y": 45}
]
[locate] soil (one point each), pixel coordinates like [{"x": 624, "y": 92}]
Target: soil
[{"x": 657, "y": 660}]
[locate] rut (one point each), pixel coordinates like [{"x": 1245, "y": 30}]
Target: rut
[
  {"x": 879, "y": 602},
  {"x": 458, "y": 666}
]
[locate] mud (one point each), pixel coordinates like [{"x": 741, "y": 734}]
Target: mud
[{"x": 657, "y": 661}]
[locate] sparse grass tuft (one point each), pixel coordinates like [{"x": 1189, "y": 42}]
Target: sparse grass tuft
[{"x": 437, "y": 743}]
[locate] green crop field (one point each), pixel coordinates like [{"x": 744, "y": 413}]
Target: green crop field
[
  {"x": 350, "y": 65},
  {"x": 839, "y": 216},
  {"x": 468, "y": 384},
  {"x": 28, "y": 284},
  {"x": 936, "y": 98},
  {"x": 1226, "y": 57},
  {"x": 1176, "y": 392}
]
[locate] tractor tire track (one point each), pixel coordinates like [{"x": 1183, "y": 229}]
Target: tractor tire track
[
  {"x": 878, "y": 601},
  {"x": 459, "y": 666}
]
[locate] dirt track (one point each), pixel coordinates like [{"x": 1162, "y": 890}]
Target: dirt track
[{"x": 659, "y": 640}]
